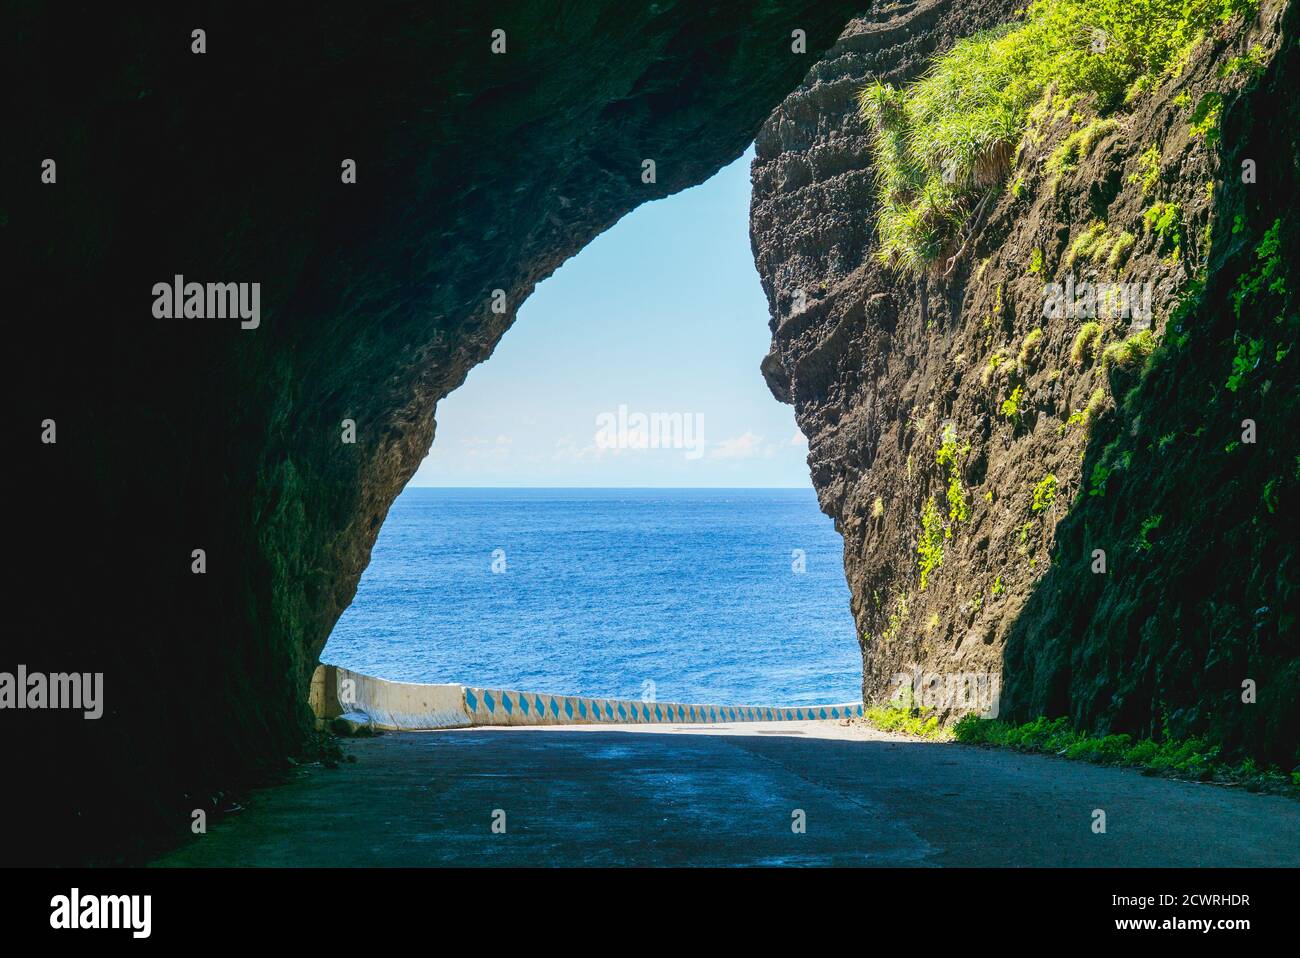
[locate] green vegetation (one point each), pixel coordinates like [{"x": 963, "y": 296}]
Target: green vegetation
[
  {"x": 1267, "y": 274},
  {"x": 1085, "y": 242},
  {"x": 1148, "y": 173},
  {"x": 1269, "y": 496},
  {"x": 930, "y": 547},
  {"x": 1011, "y": 405},
  {"x": 1130, "y": 352},
  {"x": 909, "y": 721},
  {"x": 1166, "y": 221},
  {"x": 995, "y": 363},
  {"x": 1030, "y": 347},
  {"x": 1102, "y": 247},
  {"x": 1120, "y": 249},
  {"x": 1149, "y": 525},
  {"x": 949, "y": 457},
  {"x": 896, "y": 618},
  {"x": 943, "y": 145},
  {"x": 1193, "y": 758},
  {"x": 1205, "y": 118},
  {"x": 1084, "y": 348},
  {"x": 1036, "y": 260},
  {"x": 1252, "y": 64},
  {"x": 1074, "y": 149},
  {"x": 1091, "y": 409},
  {"x": 1247, "y": 358},
  {"x": 1044, "y": 493},
  {"x": 1100, "y": 475},
  {"x": 1025, "y": 529}
]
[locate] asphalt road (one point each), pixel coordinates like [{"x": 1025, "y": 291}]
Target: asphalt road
[{"x": 733, "y": 795}]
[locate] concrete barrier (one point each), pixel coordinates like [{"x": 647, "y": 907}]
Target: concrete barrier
[
  {"x": 337, "y": 692},
  {"x": 342, "y": 693}
]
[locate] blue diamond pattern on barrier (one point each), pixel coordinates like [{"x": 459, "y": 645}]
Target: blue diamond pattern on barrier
[
  {"x": 471, "y": 700},
  {"x": 609, "y": 709},
  {"x": 537, "y": 704},
  {"x": 622, "y": 712},
  {"x": 822, "y": 713},
  {"x": 523, "y": 703},
  {"x": 507, "y": 704},
  {"x": 555, "y": 706},
  {"x": 582, "y": 708},
  {"x": 568, "y": 707},
  {"x": 487, "y": 700}
]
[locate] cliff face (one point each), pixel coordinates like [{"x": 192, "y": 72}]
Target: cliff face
[
  {"x": 475, "y": 171},
  {"x": 1056, "y": 452}
]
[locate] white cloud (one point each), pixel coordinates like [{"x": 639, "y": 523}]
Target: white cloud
[
  {"x": 747, "y": 445},
  {"x": 566, "y": 448}
]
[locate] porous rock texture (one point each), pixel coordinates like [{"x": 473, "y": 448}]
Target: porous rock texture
[
  {"x": 476, "y": 171},
  {"x": 1197, "y": 603}
]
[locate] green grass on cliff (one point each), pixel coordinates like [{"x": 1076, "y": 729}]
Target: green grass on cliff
[
  {"x": 943, "y": 145},
  {"x": 1192, "y": 758},
  {"x": 916, "y": 722}
]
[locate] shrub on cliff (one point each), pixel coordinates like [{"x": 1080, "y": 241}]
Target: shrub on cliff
[{"x": 944, "y": 144}]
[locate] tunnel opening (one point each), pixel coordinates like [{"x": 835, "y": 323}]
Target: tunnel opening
[{"x": 648, "y": 529}]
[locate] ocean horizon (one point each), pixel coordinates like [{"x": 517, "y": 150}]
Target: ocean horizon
[{"x": 726, "y": 595}]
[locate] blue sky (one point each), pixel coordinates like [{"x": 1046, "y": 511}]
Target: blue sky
[{"x": 661, "y": 314}]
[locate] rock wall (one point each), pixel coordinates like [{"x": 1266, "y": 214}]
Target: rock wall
[
  {"x": 475, "y": 171},
  {"x": 1198, "y": 527}
]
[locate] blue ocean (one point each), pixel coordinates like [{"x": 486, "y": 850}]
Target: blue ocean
[{"x": 732, "y": 596}]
